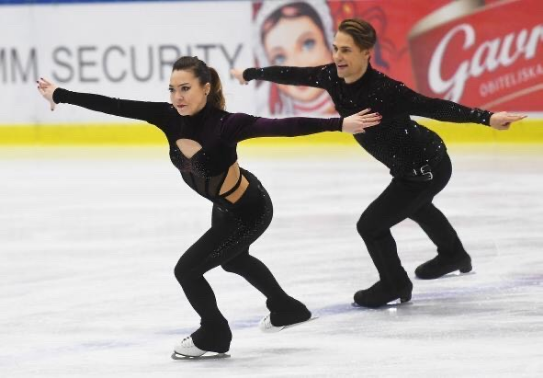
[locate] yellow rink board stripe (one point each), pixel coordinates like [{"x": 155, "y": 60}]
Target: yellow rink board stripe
[{"x": 527, "y": 131}]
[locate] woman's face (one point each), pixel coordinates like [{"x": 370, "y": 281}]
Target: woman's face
[
  {"x": 297, "y": 42},
  {"x": 187, "y": 95}
]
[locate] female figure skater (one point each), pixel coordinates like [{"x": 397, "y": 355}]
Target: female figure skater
[
  {"x": 416, "y": 156},
  {"x": 203, "y": 137}
]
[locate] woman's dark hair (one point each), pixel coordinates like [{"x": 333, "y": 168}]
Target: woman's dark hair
[
  {"x": 205, "y": 75},
  {"x": 292, "y": 10},
  {"x": 363, "y": 33}
]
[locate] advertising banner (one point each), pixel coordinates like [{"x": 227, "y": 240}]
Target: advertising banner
[
  {"x": 120, "y": 50},
  {"x": 484, "y": 55},
  {"x": 481, "y": 53}
]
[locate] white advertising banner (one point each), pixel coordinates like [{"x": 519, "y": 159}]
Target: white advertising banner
[{"x": 120, "y": 50}]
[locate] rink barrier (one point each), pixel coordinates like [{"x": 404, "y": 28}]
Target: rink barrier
[{"x": 527, "y": 131}]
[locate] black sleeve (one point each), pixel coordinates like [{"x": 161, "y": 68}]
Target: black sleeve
[
  {"x": 237, "y": 127},
  {"x": 405, "y": 100},
  {"x": 152, "y": 112},
  {"x": 308, "y": 76}
]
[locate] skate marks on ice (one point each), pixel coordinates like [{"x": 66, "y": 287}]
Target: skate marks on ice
[
  {"x": 487, "y": 323},
  {"x": 481, "y": 290}
]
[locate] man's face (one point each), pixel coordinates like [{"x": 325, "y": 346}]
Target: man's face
[{"x": 351, "y": 61}]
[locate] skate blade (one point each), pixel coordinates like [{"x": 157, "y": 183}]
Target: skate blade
[
  {"x": 455, "y": 274},
  {"x": 459, "y": 273},
  {"x": 392, "y": 304},
  {"x": 280, "y": 328},
  {"x": 206, "y": 356}
]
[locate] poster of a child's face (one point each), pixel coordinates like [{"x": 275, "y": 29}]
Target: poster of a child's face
[
  {"x": 295, "y": 33},
  {"x": 301, "y": 34},
  {"x": 293, "y": 36}
]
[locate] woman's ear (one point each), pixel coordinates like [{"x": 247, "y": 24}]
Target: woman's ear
[{"x": 207, "y": 88}]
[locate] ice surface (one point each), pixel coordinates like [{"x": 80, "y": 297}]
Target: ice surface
[{"x": 89, "y": 239}]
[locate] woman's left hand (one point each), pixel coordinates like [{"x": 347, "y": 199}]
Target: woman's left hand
[
  {"x": 503, "y": 120},
  {"x": 357, "y": 122}
]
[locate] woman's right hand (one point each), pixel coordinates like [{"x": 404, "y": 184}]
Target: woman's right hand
[
  {"x": 238, "y": 74},
  {"x": 357, "y": 122},
  {"x": 46, "y": 88}
]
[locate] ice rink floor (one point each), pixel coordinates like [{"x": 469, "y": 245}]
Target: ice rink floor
[{"x": 89, "y": 239}]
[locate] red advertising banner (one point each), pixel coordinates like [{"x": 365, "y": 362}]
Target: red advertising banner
[
  {"x": 484, "y": 55},
  {"x": 481, "y": 53}
]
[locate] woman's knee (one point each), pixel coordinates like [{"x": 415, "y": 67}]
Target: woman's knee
[
  {"x": 178, "y": 272},
  {"x": 183, "y": 273},
  {"x": 230, "y": 267},
  {"x": 236, "y": 265}
]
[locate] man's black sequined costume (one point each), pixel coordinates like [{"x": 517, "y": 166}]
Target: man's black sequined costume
[
  {"x": 416, "y": 156},
  {"x": 398, "y": 142}
]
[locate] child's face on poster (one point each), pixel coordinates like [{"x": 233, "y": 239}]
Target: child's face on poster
[{"x": 297, "y": 42}]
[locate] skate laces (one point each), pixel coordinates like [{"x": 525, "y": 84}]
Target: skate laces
[
  {"x": 266, "y": 322},
  {"x": 187, "y": 348}
]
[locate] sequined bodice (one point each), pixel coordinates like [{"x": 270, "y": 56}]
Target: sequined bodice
[
  {"x": 398, "y": 142},
  {"x": 206, "y": 170}
]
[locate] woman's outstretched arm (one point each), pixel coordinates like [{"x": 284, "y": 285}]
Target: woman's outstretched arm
[
  {"x": 152, "y": 112},
  {"x": 239, "y": 126}
]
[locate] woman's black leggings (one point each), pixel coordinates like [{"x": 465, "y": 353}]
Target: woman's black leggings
[
  {"x": 233, "y": 229},
  {"x": 403, "y": 199}
]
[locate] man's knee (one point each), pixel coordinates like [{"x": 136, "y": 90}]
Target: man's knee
[
  {"x": 364, "y": 227},
  {"x": 369, "y": 229}
]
